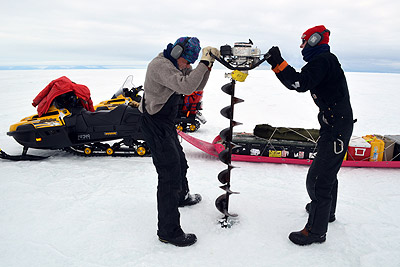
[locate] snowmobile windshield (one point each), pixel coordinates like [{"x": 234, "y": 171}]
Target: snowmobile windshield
[{"x": 126, "y": 86}]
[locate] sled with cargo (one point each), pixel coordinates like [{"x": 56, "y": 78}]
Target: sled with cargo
[{"x": 297, "y": 146}]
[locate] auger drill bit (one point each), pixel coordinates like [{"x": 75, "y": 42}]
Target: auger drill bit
[{"x": 225, "y": 156}]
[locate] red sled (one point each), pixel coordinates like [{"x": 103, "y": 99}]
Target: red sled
[{"x": 216, "y": 147}]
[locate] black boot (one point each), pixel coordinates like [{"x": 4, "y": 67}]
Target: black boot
[
  {"x": 190, "y": 200},
  {"x": 304, "y": 237},
  {"x": 183, "y": 240},
  {"x": 332, "y": 217}
]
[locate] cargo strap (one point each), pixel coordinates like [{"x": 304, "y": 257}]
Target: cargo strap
[{"x": 305, "y": 137}]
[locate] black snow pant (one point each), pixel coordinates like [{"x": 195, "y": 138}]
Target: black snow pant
[
  {"x": 170, "y": 162},
  {"x": 322, "y": 182}
]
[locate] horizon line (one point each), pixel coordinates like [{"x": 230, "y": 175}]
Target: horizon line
[{"x": 122, "y": 66}]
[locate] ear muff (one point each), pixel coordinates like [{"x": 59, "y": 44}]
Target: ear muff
[
  {"x": 179, "y": 49},
  {"x": 317, "y": 37}
]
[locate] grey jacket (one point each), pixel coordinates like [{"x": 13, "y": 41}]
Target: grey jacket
[{"x": 163, "y": 79}]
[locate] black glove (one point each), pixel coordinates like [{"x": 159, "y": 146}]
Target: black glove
[
  {"x": 275, "y": 58},
  {"x": 272, "y": 62}
]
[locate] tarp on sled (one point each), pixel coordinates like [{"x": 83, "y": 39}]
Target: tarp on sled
[{"x": 267, "y": 131}]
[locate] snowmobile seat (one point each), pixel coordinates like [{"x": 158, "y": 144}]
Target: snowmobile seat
[
  {"x": 69, "y": 101},
  {"x": 104, "y": 117}
]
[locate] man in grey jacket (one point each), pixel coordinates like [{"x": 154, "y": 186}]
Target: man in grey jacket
[{"x": 168, "y": 76}]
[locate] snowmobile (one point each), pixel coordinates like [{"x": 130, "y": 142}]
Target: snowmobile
[
  {"x": 188, "y": 119},
  {"x": 128, "y": 94},
  {"x": 68, "y": 126}
]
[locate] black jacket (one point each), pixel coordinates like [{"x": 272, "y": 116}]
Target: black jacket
[{"x": 324, "y": 78}]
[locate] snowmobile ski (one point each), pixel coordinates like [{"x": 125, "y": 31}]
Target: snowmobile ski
[{"x": 24, "y": 156}]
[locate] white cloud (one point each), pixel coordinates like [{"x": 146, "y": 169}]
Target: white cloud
[{"x": 122, "y": 30}]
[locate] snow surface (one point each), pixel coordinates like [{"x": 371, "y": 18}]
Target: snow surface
[{"x": 74, "y": 211}]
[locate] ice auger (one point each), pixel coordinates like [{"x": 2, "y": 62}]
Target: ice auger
[{"x": 241, "y": 58}]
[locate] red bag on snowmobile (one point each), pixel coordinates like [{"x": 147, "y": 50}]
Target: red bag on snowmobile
[
  {"x": 58, "y": 87},
  {"x": 191, "y": 103}
]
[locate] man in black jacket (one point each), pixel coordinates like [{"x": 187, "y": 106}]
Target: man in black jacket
[{"x": 325, "y": 79}]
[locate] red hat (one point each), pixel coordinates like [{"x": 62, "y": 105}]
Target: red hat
[{"x": 307, "y": 34}]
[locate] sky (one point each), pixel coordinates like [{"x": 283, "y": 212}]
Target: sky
[{"x": 364, "y": 34}]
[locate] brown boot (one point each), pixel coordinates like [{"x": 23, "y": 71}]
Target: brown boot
[{"x": 304, "y": 237}]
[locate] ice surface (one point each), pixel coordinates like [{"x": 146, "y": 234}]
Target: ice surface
[{"x": 73, "y": 211}]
